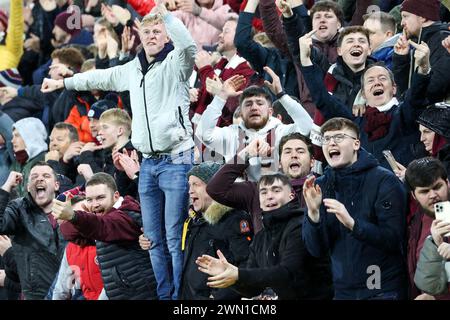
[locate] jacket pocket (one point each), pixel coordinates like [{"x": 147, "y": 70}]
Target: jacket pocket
[{"x": 121, "y": 280}]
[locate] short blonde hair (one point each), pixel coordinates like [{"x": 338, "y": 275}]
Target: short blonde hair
[
  {"x": 152, "y": 18},
  {"x": 88, "y": 65},
  {"x": 117, "y": 117}
]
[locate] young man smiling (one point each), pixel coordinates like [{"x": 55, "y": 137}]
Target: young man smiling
[
  {"x": 357, "y": 214},
  {"x": 386, "y": 124},
  {"x": 278, "y": 258},
  {"x": 114, "y": 223},
  {"x": 295, "y": 153}
]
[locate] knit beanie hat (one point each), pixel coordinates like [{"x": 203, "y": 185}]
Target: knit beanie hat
[
  {"x": 437, "y": 118},
  {"x": 4, "y": 19},
  {"x": 10, "y": 78},
  {"x": 428, "y": 9},
  {"x": 109, "y": 102},
  {"x": 204, "y": 171},
  {"x": 68, "y": 22}
]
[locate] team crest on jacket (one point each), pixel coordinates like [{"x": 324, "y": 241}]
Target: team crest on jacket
[{"x": 244, "y": 226}]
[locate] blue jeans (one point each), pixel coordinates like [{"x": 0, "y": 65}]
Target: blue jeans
[{"x": 163, "y": 192}]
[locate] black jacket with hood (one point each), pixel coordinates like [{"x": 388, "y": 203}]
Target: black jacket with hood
[
  {"x": 219, "y": 228},
  {"x": 439, "y": 86},
  {"x": 279, "y": 260},
  {"x": 376, "y": 200}
]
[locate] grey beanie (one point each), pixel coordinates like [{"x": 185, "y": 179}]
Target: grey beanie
[{"x": 204, "y": 171}]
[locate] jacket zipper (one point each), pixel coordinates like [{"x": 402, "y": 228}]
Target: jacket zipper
[
  {"x": 146, "y": 113},
  {"x": 180, "y": 118}
]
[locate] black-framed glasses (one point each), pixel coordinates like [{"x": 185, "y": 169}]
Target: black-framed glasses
[{"x": 337, "y": 138}]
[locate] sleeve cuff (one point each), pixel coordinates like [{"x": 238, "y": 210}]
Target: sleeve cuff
[
  {"x": 20, "y": 92},
  {"x": 69, "y": 83}
]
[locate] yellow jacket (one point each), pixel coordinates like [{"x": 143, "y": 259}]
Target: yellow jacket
[{"x": 11, "y": 52}]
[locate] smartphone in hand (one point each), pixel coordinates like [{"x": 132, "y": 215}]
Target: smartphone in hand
[
  {"x": 442, "y": 212},
  {"x": 390, "y": 159}
]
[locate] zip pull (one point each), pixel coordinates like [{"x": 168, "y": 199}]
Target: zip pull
[{"x": 142, "y": 81}]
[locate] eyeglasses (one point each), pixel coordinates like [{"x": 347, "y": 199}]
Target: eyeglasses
[{"x": 337, "y": 138}]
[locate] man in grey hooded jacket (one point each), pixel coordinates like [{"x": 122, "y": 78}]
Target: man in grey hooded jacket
[{"x": 158, "y": 82}]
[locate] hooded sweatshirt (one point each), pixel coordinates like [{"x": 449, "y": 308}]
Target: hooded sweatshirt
[{"x": 34, "y": 135}]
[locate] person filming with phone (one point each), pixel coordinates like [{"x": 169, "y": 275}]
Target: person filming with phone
[{"x": 428, "y": 182}]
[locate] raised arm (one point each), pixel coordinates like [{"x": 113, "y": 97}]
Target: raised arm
[
  {"x": 302, "y": 120},
  {"x": 207, "y": 131},
  {"x": 218, "y": 17},
  {"x": 112, "y": 79},
  {"x": 182, "y": 41},
  {"x": 273, "y": 26},
  {"x": 328, "y": 105},
  {"x": 415, "y": 100},
  {"x": 249, "y": 49},
  {"x": 10, "y": 214},
  {"x": 223, "y": 188}
]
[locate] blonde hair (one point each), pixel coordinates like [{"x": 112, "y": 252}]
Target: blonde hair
[
  {"x": 117, "y": 117},
  {"x": 88, "y": 65},
  {"x": 152, "y": 18}
]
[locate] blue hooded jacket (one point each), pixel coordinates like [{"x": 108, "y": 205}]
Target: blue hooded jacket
[{"x": 376, "y": 200}]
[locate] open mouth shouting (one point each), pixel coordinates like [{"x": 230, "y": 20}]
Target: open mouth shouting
[
  {"x": 378, "y": 92},
  {"x": 334, "y": 154},
  {"x": 295, "y": 167},
  {"x": 41, "y": 191},
  {"x": 356, "y": 52},
  {"x": 194, "y": 201}
]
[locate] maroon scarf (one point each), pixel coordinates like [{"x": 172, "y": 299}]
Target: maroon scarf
[
  {"x": 377, "y": 123},
  {"x": 21, "y": 156},
  {"x": 438, "y": 142}
]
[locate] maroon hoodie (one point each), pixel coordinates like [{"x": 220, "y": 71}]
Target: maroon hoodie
[{"x": 114, "y": 225}]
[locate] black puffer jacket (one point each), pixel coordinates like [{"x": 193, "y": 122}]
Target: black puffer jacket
[
  {"x": 279, "y": 260},
  {"x": 219, "y": 228},
  {"x": 126, "y": 269},
  {"x": 38, "y": 248}
]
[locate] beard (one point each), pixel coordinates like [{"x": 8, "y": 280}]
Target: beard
[{"x": 256, "y": 125}]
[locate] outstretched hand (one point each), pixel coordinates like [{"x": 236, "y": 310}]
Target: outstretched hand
[
  {"x": 285, "y": 7},
  {"x": 275, "y": 85},
  {"x": 223, "y": 274},
  {"x": 229, "y": 88},
  {"x": 305, "y": 45},
  {"x": 421, "y": 56},
  {"x": 313, "y": 198},
  {"x": 401, "y": 47}
]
